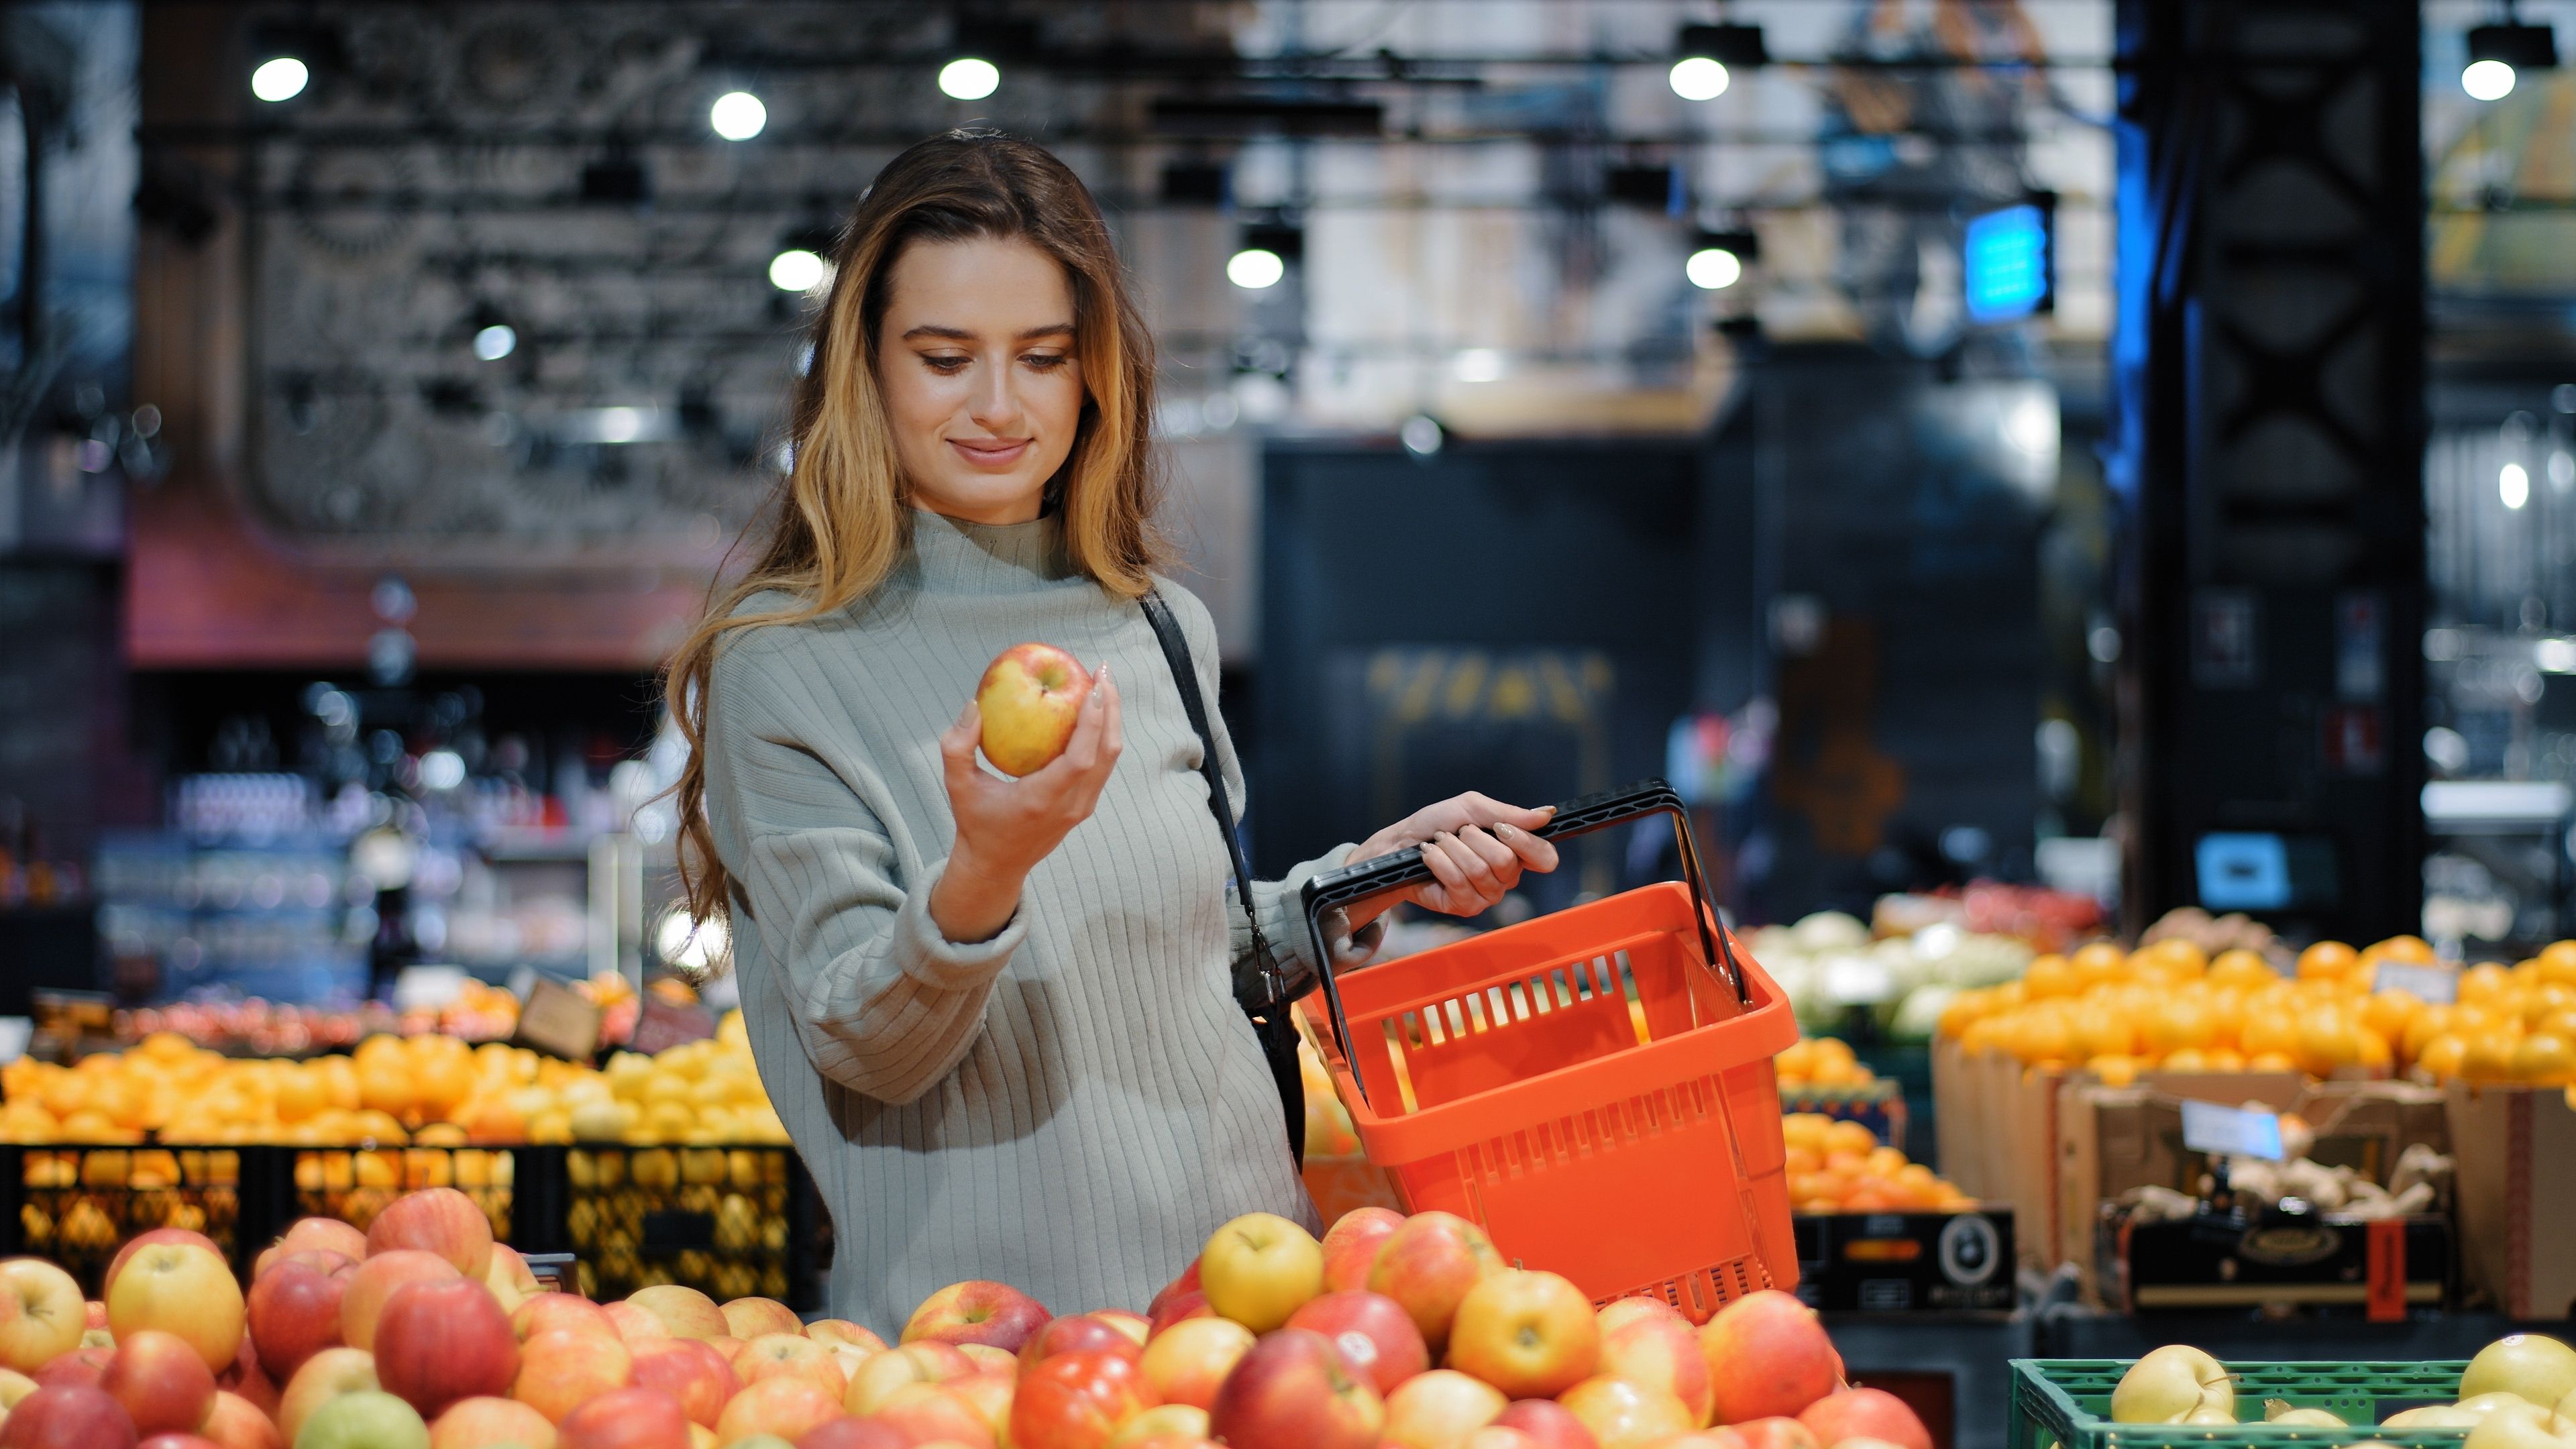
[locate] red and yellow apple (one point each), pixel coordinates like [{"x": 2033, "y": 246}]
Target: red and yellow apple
[
  {"x": 630, "y": 1418},
  {"x": 841, "y": 1331},
  {"x": 791, "y": 1355},
  {"x": 510, "y": 1278},
  {"x": 483, "y": 1422},
  {"x": 935, "y": 1413},
  {"x": 851, "y": 1432},
  {"x": 162, "y": 1383},
  {"x": 145, "y": 1239},
  {"x": 926, "y": 1362},
  {"x": 1293, "y": 1391},
  {"x": 1078, "y": 1400},
  {"x": 321, "y": 1235},
  {"x": 749, "y": 1318},
  {"x": 68, "y": 1416},
  {"x": 237, "y": 1423},
  {"x": 1075, "y": 1333},
  {"x": 1439, "y": 1409},
  {"x": 1187, "y": 1362},
  {"x": 1865, "y": 1414},
  {"x": 1428, "y": 1265},
  {"x": 977, "y": 1312},
  {"x": 437, "y": 1220},
  {"x": 1768, "y": 1356},
  {"x": 560, "y": 1310},
  {"x": 1530, "y": 1334},
  {"x": 561, "y": 1368},
  {"x": 988, "y": 1394},
  {"x": 444, "y": 1340},
  {"x": 183, "y": 1289},
  {"x": 690, "y": 1371},
  {"x": 1622, "y": 1415},
  {"x": 1655, "y": 1345},
  {"x": 1775, "y": 1432},
  {"x": 1351, "y": 1245},
  {"x": 293, "y": 1311},
  {"x": 786, "y": 1407},
  {"x": 362, "y": 1303},
  {"x": 1549, "y": 1423},
  {"x": 324, "y": 1376},
  {"x": 1376, "y": 1337},
  {"x": 633, "y": 1322},
  {"x": 1178, "y": 1307},
  {"x": 42, "y": 1315},
  {"x": 1030, "y": 697},
  {"x": 684, "y": 1311},
  {"x": 1164, "y": 1423}
]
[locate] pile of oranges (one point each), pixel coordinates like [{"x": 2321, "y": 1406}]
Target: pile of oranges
[
  {"x": 2168, "y": 1006},
  {"x": 1839, "y": 1167},
  {"x": 426, "y": 1091},
  {"x": 1822, "y": 1061}
]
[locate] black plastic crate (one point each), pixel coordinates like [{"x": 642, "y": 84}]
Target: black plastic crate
[{"x": 78, "y": 1205}]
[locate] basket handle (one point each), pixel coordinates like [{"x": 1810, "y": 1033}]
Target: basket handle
[{"x": 1330, "y": 890}]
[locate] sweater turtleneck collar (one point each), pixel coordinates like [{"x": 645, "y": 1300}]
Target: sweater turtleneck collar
[{"x": 952, "y": 556}]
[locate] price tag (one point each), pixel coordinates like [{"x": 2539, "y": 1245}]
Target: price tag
[
  {"x": 2432, "y": 985},
  {"x": 661, "y": 1026},
  {"x": 2231, "y": 1131},
  {"x": 558, "y": 1021}
]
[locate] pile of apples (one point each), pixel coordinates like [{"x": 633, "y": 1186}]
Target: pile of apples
[
  {"x": 2518, "y": 1393},
  {"x": 423, "y": 1333}
]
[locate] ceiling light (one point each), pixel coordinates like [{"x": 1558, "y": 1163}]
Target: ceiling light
[
  {"x": 738, "y": 115},
  {"x": 969, "y": 79},
  {"x": 279, "y": 78},
  {"x": 1698, "y": 78},
  {"x": 494, "y": 341},
  {"x": 2513, "y": 485},
  {"x": 1255, "y": 269},
  {"x": 798, "y": 270},
  {"x": 1713, "y": 268},
  {"x": 2497, "y": 53}
]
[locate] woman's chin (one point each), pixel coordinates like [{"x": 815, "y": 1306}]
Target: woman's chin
[{"x": 983, "y": 498}]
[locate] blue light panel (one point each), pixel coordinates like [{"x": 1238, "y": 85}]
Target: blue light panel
[
  {"x": 2007, "y": 264},
  {"x": 2243, "y": 872}
]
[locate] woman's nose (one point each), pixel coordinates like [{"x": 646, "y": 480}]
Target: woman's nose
[{"x": 995, "y": 400}]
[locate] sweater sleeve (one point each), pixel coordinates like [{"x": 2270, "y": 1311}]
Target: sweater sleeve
[
  {"x": 884, "y": 1004},
  {"x": 1275, "y": 903}
]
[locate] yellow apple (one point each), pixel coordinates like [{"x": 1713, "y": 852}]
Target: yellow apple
[
  {"x": 1260, "y": 1268},
  {"x": 1031, "y": 696},
  {"x": 42, "y": 1315},
  {"x": 181, "y": 1289}
]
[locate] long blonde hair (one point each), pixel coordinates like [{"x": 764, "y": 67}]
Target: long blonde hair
[{"x": 838, "y": 522}]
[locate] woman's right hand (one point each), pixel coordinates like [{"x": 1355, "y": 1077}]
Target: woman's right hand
[{"x": 1006, "y": 826}]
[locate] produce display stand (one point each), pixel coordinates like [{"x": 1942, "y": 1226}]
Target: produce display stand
[
  {"x": 2067, "y": 1402},
  {"x": 733, "y": 1221}
]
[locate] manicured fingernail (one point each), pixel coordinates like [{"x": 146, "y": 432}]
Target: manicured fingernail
[
  {"x": 1503, "y": 830},
  {"x": 966, "y": 714}
]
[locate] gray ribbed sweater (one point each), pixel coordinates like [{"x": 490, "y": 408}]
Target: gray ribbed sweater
[{"x": 1071, "y": 1107}]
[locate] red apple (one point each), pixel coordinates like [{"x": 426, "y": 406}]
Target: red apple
[
  {"x": 1439, "y": 1409},
  {"x": 178, "y": 1441},
  {"x": 83, "y": 1367},
  {"x": 791, "y": 1355},
  {"x": 437, "y": 1220},
  {"x": 237, "y": 1423},
  {"x": 327, "y": 1235},
  {"x": 1075, "y": 1333},
  {"x": 1865, "y": 1414},
  {"x": 324, "y": 1377},
  {"x": 1077, "y": 1400},
  {"x": 635, "y": 1323},
  {"x": 786, "y": 1407},
  {"x": 635, "y": 1418},
  {"x": 444, "y": 1340},
  {"x": 852, "y": 1432},
  {"x": 689, "y": 1371},
  {"x": 926, "y": 1362},
  {"x": 1187, "y": 1363},
  {"x": 293, "y": 1311},
  {"x": 1259, "y": 1268},
  {"x": 1375, "y": 1335},
  {"x": 1178, "y": 1307},
  {"x": 1351, "y": 1246},
  {"x": 749, "y": 1318},
  {"x": 42, "y": 1315},
  {"x": 1775, "y": 1432},
  {"x": 183, "y": 1289},
  {"x": 1031, "y": 697},
  {"x": 482, "y": 1422},
  {"x": 560, "y": 1310},
  {"x": 145, "y": 1239},
  {"x": 362, "y": 1303},
  {"x": 1622, "y": 1415},
  {"x": 1768, "y": 1356},
  {"x": 1428, "y": 1265},
  {"x": 934, "y": 1414},
  {"x": 684, "y": 1311},
  {"x": 1548, "y": 1422},
  {"x": 1661, "y": 1349},
  {"x": 843, "y": 1331},
  {"x": 1530, "y": 1334},
  {"x": 165, "y": 1387},
  {"x": 1293, "y": 1391},
  {"x": 1187, "y": 1282},
  {"x": 561, "y": 1368},
  {"x": 978, "y": 1312},
  {"x": 67, "y": 1417}
]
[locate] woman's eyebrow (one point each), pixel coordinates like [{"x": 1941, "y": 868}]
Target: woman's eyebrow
[{"x": 929, "y": 329}]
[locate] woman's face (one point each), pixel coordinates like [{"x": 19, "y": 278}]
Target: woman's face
[{"x": 975, "y": 359}]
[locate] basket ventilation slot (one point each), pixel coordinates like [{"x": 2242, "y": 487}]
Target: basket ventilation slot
[
  {"x": 1555, "y": 989},
  {"x": 1698, "y": 1295}
]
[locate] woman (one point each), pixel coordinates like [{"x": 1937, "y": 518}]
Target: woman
[{"x": 996, "y": 1015}]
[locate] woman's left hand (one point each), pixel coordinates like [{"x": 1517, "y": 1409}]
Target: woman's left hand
[{"x": 1476, "y": 849}]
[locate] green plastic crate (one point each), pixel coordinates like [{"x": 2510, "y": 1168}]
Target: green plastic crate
[{"x": 2068, "y": 1401}]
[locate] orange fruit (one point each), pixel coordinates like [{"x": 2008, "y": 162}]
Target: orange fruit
[
  {"x": 300, "y": 1094},
  {"x": 2410, "y": 949},
  {"x": 2102, "y": 1030},
  {"x": 2483, "y": 983},
  {"x": 1850, "y": 1137},
  {"x": 2389, "y": 1013},
  {"x": 1796, "y": 1059},
  {"x": 2545, "y": 1058},
  {"x": 2558, "y": 962},
  {"x": 2328, "y": 1040},
  {"x": 2099, "y": 961},
  {"x": 2270, "y": 1062},
  {"x": 2241, "y": 968},
  {"x": 2178, "y": 1022},
  {"x": 2544, "y": 1001},
  {"x": 384, "y": 1087},
  {"x": 2188, "y": 1059},
  {"x": 2269, "y": 1032},
  {"x": 2488, "y": 1058},
  {"x": 2051, "y": 976},
  {"x": 2115, "y": 1071},
  {"x": 2325, "y": 959}
]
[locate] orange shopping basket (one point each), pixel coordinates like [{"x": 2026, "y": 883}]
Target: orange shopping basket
[{"x": 1593, "y": 1087}]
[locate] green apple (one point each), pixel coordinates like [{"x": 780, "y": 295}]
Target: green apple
[{"x": 365, "y": 1419}]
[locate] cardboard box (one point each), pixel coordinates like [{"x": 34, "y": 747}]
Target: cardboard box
[
  {"x": 2379, "y": 1269},
  {"x": 2517, "y": 1196},
  {"x": 1996, "y": 1124},
  {"x": 2111, "y": 1140}
]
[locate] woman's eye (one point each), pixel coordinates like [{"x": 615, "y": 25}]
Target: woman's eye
[
  {"x": 1046, "y": 361},
  {"x": 944, "y": 365}
]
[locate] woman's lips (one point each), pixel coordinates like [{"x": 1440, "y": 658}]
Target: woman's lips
[{"x": 992, "y": 453}]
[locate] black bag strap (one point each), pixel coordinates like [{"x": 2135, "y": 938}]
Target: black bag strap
[
  {"x": 1266, "y": 986},
  {"x": 1260, "y": 987}
]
